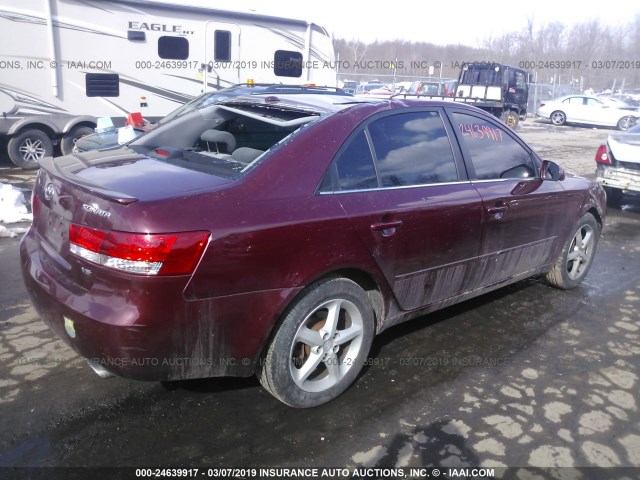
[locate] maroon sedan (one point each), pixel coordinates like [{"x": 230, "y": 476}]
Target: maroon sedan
[{"x": 277, "y": 235}]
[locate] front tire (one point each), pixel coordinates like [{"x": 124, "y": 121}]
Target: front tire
[
  {"x": 27, "y": 148},
  {"x": 576, "y": 257},
  {"x": 558, "y": 118},
  {"x": 625, "y": 123},
  {"x": 321, "y": 345},
  {"x": 510, "y": 119}
]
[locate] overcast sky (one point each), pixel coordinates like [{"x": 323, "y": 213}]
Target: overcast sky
[{"x": 459, "y": 21}]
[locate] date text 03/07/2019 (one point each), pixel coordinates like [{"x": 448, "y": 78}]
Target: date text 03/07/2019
[
  {"x": 316, "y": 472},
  {"x": 579, "y": 64}
]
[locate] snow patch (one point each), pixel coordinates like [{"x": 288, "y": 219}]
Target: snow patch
[
  {"x": 13, "y": 209},
  {"x": 370, "y": 458},
  {"x": 457, "y": 427}
]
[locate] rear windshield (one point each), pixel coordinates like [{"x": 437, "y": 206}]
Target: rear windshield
[
  {"x": 482, "y": 74},
  {"x": 224, "y": 140}
]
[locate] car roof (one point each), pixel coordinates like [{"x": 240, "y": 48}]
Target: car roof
[{"x": 327, "y": 104}]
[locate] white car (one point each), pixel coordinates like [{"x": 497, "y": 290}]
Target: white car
[
  {"x": 587, "y": 110},
  {"x": 618, "y": 165}
]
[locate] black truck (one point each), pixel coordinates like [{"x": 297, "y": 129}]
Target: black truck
[{"x": 500, "y": 89}]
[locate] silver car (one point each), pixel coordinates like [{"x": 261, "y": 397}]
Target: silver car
[{"x": 618, "y": 161}]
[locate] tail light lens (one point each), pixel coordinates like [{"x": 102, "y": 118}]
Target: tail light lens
[
  {"x": 541, "y": 105},
  {"x": 602, "y": 156},
  {"x": 146, "y": 254}
]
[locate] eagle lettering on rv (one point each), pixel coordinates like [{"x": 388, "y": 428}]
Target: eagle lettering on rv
[{"x": 156, "y": 27}]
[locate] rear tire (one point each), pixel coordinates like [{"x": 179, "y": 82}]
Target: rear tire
[
  {"x": 70, "y": 139},
  {"x": 558, "y": 118},
  {"x": 321, "y": 345},
  {"x": 576, "y": 257},
  {"x": 27, "y": 148}
]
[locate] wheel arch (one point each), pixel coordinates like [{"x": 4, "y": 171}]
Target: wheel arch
[
  {"x": 367, "y": 282},
  {"x": 83, "y": 123},
  {"x": 362, "y": 278},
  {"x": 43, "y": 127},
  {"x": 80, "y": 121},
  {"x": 594, "y": 211}
]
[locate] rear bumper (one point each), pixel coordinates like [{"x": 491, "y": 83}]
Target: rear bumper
[
  {"x": 616, "y": 177},
  {"x": 152, "y": 332}
]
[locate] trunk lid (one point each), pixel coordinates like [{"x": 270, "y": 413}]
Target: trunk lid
[
  {"x": 100, "y": 191},
  {"x": 125, "y": 176}
]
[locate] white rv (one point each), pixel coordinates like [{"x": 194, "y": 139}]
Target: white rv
[{"x": 60, "y": 59}]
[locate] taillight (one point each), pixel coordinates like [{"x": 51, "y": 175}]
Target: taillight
[
  {"x": 146, "y": 254},
  {"x": 541, "y": 105},
  {"x": 602, "y": 156}
]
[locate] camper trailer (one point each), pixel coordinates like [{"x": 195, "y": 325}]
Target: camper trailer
[{"x": 65, "y": 62}]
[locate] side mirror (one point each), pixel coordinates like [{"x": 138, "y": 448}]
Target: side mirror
[{"x": 551, "y": 171}]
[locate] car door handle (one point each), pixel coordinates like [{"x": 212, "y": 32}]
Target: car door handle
[
  {"x": 497, "y": 209},
  {"x": 387, "y": 228},
  {"x": 377, "y": 227}
]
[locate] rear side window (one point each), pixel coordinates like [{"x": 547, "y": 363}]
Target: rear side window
[
  {"x": 355, "y": 165},
  {"x": 412, "y": 149},
  {"x": 173, "y": 48},
  {"x": 494, "y": 153}
]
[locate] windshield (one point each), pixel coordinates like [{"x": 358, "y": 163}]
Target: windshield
[{"x": 224, "y": 139}]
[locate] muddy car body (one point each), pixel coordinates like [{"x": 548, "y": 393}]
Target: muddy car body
[{"x": 277, "y": 235}]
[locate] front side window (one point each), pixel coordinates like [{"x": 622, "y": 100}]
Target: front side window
[
  {"x": 519, "y": 80},
  {"x": 494, "y": 153}
]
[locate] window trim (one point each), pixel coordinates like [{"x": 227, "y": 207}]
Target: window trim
[{"x": 401, "y": 187}]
